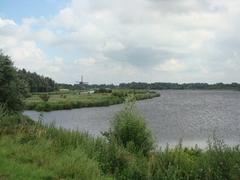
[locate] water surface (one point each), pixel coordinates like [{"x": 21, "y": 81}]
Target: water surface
[{"x": 192, "y": 116}]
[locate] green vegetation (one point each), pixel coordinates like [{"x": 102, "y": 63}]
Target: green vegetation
[
  {"x": 30, "y": 150},
  {"x": 12, "y": 88},
  {"x": 130, "y": 131},
  {"x": 77, "y": 99},
  {"x": 37, "y": 83},
  {"x": 176, "y": 86},
  {"x": 44, "y": 97},
  {"x": 157, "y": 86}
]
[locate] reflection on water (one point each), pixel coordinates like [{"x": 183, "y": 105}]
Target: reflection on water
[{"x": 189, "y": 115}]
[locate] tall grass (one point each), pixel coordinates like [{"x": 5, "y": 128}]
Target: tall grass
[
  {"x": 71, "y": 100},
  {"x": 30, "y": 150}
]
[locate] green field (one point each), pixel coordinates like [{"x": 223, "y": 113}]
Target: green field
[
  {"x": 77, "y": 99},
  {"x": 29, "y": 150}
]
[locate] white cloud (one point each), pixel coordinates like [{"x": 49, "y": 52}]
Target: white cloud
[
  {"x": 47, "y": 36},
  {"x": 171, "y": 65},
  {"x": 85, "y": 61},
  {"x": 108, "y": 41},
  {"x": 6, "y": 22}
]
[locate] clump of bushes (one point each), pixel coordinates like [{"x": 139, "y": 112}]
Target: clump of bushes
[
  {"x": 44, "y": 97},
  {"x": 103, "y": 90},
  {"x": 139, "y": 94},
  {"x": 130, "y": 130},
  {"x": 120, "y": 94},
  {"x": 64, "y": 96}
]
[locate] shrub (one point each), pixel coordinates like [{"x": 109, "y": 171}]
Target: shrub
[
  {"x": 63, "y": 96},
  {"x": 44, "y": 97},
  {"x": 129, "y": 130},
  {"x": 103, "y": 90},
  {"x": 120, "y": 94},
  {"x": 67, "y": 105},
  {"x": 41, "y": 106}
]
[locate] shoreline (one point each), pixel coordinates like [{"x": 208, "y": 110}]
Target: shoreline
[{"x": 96, "y": 100}]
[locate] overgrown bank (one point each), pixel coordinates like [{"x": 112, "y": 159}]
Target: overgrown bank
[
  {"x": 30, "y": 150},
  {"x": 76, "y": 99}
]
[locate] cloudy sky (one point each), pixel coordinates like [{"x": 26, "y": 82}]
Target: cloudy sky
[{"x": 110, "y": 41}]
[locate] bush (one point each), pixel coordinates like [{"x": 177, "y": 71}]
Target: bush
[
  {"x": 129, "y": 130},
  {"x": 120, "y": 94},
  {"x": 63, "y": 96},
  {"x": 44, "y": 97},
  {"x": 103, "y": 90},
  {"x": 41, "y": 106}
]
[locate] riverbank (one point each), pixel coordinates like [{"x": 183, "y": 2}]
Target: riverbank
[
  {"x": 30, "y": 150},
  {"x": 77, "y": 99},
  {"x": 190, "y": 115}
]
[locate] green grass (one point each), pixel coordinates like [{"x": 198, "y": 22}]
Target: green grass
[
  {"x": 75, "y": 99},
  {"x": 29, "y": 150},
  {"x": 32, "y": 151}
]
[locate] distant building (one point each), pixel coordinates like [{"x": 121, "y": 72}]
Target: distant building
[
  {"x": 91, "y": 92},
  {"x": 64, "y": 90},
  {"x": 82, "y": 84}
]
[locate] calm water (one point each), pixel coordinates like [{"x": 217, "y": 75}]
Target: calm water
[{"x": 189, "y": 115}]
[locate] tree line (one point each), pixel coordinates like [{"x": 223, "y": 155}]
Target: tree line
[
  {"x": 155, "y": 86},
  {"x": 15, "y": 85},
  {"x": 37, "y": 83},
  {"x": 176, "y": 86}
]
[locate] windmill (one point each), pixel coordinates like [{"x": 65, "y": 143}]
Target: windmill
[{"x": 81, "y": 83}]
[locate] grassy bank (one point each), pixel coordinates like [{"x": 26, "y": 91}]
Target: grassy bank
[
  {"x": 30, "y": 150},
  {"x": 77, "y": 99}
]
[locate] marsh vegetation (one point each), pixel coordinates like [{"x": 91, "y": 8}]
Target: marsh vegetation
[{"x": 78, "y": 99}]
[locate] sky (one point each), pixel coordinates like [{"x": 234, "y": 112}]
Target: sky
[{"x": 110, "y": 41}]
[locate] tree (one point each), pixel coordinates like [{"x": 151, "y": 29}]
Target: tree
[
  {"x": 37, "y": 83},
  {"x": 12, "y": 88}
]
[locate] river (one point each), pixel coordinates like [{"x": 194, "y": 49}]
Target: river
[{"x": 190, "y": 115}]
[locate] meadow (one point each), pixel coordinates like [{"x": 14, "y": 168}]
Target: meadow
[
  {"x": 30, "y": 150},
  {"x": 77, "y": 99}
]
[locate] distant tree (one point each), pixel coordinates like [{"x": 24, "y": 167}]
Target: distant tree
[
  {"x": 36, "y": 82},
  {"x": 12, "y": 88},
  {"x": 160, "y": 86}
]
